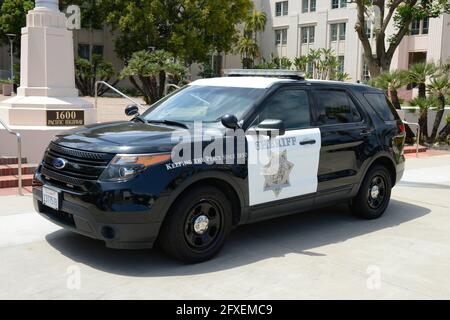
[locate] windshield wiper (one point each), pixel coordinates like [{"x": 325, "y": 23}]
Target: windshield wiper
[{"x": 169, "y": 123}]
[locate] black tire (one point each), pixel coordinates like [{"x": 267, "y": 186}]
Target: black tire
[
  {"x": 370, "y": 202},
  {"x": 180, "y": 237}
]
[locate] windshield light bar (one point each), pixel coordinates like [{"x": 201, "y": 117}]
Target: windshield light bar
[{"x": 278, "y": 73}]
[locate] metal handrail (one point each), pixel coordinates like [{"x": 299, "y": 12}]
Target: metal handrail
[
  {"x": 115, "y": 90},
  {"x": 19, "y": 153},
  {"x": 170, "y": 85},
  {"x": 417, "y": 135}
]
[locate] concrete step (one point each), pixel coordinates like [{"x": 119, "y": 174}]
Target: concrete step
[
  {"x": 13, "y": 169},
  {"x": 412, "y": 149},
  {"x": 11, "y": 160},
  {"x": 13, "y": 181}
]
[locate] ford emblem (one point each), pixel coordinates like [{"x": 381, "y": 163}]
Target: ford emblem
[{"x": 59, "y": 163}]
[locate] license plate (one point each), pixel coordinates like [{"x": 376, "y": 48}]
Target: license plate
[{"x": 50, "y": 198}]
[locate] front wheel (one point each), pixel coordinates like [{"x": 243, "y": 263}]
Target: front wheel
[
  {"x": 374, "y": 195},
  {"x": 197, "y": 226}
]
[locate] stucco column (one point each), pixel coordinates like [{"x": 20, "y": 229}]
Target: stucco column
[{"x": 47, "y": 89}]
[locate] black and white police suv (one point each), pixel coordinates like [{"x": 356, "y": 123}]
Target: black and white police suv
[{"x": 219, "y": 153}]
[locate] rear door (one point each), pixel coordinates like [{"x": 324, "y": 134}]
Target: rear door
[
  {"x": 345, "y": 133},
  {"x": 282, "y": 171}
]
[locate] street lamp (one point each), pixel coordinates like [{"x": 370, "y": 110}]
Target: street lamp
[{"x": 12, "y": 37}]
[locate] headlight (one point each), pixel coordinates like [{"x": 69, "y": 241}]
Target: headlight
[{"x": 124, "y": 167}]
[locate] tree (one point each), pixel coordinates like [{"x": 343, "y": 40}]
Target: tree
[
  {"x": 255, "y": 22},
  {"x": 385, "y": 12},
  {"x": 424, "y": 104},
  {"x": 87, "y": 73},
  {"x": 300, "y": 63},
  {"x": 13, "y": 18},
  {"x": 439, "y": 87},
  {"x": 445, "y": 132},
  {"x": 248, "y": 49},
  {"x": 391, "y": 82},
  {"x": 419, "y": 73},
  {"x": 189, "y": 29},
  {"x": 149, "y": 72}
]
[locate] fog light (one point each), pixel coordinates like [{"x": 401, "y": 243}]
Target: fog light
[{"x": 108, "y": 233}]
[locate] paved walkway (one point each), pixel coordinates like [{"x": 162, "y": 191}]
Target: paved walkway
[{"x": 326, "y": 253}]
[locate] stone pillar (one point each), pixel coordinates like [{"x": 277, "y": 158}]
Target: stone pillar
[{"x": 47, "y": 82}]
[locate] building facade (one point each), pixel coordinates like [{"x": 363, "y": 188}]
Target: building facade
[{"x": 296, "y": 26}]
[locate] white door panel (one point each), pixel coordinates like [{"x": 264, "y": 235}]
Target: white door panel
[{"x": 282, "y": 167}]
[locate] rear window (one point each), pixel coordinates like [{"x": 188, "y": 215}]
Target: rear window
[
  {"x": 382, "y": 106},
  {"x": 335, "y": 107}
]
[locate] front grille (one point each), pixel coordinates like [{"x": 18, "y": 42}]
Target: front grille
[{"x": 81, "y": 166}]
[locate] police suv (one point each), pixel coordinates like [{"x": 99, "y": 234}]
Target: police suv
[{"x": 219, "y": 153}]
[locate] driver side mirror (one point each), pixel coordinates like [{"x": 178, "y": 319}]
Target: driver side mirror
[
  {"x": 271, "y": 128},
  {"x": 132, "y": 110},
  {"x": 230, "y": 121}
]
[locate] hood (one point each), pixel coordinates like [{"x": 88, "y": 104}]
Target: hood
[{"x": 120, "y": 137}]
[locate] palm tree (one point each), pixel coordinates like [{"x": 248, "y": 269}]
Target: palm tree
[
  {"x": 424, "y": 104},
  {"x": 300, "y": 63},
  {"x": 419, "y": 74},
  {"x": 248, "y": 49},
  {"x": 439, "y": 87},
  {"x": 391, "y": 82},
  {"x": 255, "y": 22},
  {"x": 314, "y": 58}
]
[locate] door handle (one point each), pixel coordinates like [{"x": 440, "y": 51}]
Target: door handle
[{"x": 307, "y": 142}]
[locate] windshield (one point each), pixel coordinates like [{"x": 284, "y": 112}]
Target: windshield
[{"x": 203, "y": 103}]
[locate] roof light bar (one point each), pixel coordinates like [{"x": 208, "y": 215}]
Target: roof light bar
[{"x": 277, "y": 73}]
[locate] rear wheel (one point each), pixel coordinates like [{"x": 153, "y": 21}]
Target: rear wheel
[
  {"x": 197, "y": 226},
  {"x": 374, "y": 195}
]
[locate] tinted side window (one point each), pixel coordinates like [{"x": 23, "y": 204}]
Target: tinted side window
[
  {"x": 335, "y": 107},
  {"x": 291, "y": 106},
  {"x": 382, "y": 106}
]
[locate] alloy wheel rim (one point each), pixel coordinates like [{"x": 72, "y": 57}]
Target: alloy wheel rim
[
  {"x": 377, "y": 192},
  {"x": 203, "y": 224}
]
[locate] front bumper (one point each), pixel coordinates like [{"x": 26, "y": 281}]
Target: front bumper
[{"x": 121, "y": 219}]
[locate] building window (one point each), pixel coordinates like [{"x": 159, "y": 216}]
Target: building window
[
  {"x": 98, "y": 50},
  {"x": 280, "y": 37},
  {"x": 307, "y": 34},
  {"x": 308, "y": 6},
  {"x": 365, "y": 72},
  {"x": 84, "y": 51},
  {"x": 337, "y": 29},
  {"x": 342, "y": 27},
  {"x": 281, "y": 8},
  {"x": 420, "y": 26},
  {"x": 415, "y": 27},
  {"x": 334, "y": 31},
  {"x": 368, "y": 29},
  {"x": 341, "y": 64},
  {"x": 336, "y": 4},
  {"x": 425, "y": 25},
  {"x": 305, "y": 6}
]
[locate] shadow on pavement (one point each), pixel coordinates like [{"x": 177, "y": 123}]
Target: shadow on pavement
[{"x": 299, "y": 234}]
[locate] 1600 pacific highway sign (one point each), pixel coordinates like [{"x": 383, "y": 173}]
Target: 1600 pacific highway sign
[{"x": 62, "y": 118}]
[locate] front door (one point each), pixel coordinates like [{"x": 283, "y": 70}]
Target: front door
[{"x": 284, "y": 168}]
